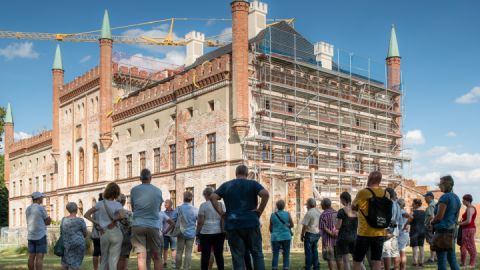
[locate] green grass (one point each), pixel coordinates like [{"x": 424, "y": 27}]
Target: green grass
[{"x": 10, "y": 259}]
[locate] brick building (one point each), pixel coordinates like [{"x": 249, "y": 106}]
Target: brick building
[{"x": 306, "y": 124}]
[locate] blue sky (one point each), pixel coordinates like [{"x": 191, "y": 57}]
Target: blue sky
[{"x": 438, "y": 42}]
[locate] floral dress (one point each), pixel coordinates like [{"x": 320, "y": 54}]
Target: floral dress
[{"x": 73, "y": 231}]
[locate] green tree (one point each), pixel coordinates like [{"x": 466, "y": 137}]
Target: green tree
[{"x": 3, "y": 188}]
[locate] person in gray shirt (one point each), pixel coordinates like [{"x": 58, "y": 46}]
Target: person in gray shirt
[{"x": 37, "y": 222}]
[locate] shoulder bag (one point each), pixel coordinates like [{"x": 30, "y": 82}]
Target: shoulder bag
[
  {"x": 179, "y": 225},
  {"x": 288, "y": 226},
  {"x": 445, "y": 240},
  {"x": 59, "y": 248}
]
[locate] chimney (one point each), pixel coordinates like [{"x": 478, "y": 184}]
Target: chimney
[
  {"x": 394, "y": 81},
  {"x": 240, "y": 66},
  {"x": 57, "y": 84},
  {"x": 324, "y": 53},
  {"x": 8, "y": 128},
  {"x": 257, "y": 18},
  {"x": 106, "y": 102},
  {"x": 194, "y": 46}
]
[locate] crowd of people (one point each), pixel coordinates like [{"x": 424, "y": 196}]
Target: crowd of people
[{"x": 374, "y": 229}]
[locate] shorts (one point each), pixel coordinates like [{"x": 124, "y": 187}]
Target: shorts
[
  {"x": 417, "y": 241},
  {"x": 97, "y": 252},
  {"x": 126, "y": 249},
  {"x": 329, "y": 254},
  {"x": 169, "y": 242},
  {"x": 345, "y": 247},
  {"x": 144, "y": 239},
  {"x": 390, "y": 248},
  {"x": 365, "y": 243},
  {"x": 37, "y": 246}
]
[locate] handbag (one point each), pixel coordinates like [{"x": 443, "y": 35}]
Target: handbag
[
  {"x": 444, "y": 240},
  {"x": 179, "y": 227},
  {"x": 290, "y": 229},
  {"x": 59, "y": 248}
]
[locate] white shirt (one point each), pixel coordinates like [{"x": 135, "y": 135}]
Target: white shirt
[
  {"x": 211, "y": 221},
  {"x": 311, "y": 220}
]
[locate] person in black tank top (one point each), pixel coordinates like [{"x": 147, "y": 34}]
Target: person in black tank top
[{"x": 346, "y": 225}]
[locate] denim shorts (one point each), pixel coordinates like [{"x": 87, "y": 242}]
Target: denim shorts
[
  {"x": 169, "y": 242},
  {"x": 37, "y": 246}
]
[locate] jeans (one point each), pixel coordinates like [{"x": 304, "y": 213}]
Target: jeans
[
  {"x": 186, "y": 245},
  {"x": 444, "y": 256},
  {"x": 243, "y": 240},
  {"x": 111, "y": 246},
  {"x": 209, "y": 241},
  {"x": 310, "y": 246},
  {"x": 285, "y": 245}
]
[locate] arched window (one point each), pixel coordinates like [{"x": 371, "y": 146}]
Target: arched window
[
  {"x": 81, "y": 167},
  {"x": 69, "y": 169},
  {"x": 95, "y": 163}
]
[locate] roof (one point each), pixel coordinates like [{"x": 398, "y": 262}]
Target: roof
[
  {"x": 106, "y": 31},
  {"x": 8, "y": 115},
  {"x": 57, "y": 61},
  {"x": 393, "y": 47}
]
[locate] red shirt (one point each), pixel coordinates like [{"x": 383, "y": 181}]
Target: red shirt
[{"x": 472, "y": 222}]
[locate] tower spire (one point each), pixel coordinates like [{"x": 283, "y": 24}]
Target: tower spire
[
  {"x": 8, "y": 115},
  {"x": 106, "y": 31},
  {"x": 393, "y": 47},
  {"x": 57, "y": 61}
]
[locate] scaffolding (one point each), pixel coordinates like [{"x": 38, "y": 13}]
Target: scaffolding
[{"x": 330, "y": 126}]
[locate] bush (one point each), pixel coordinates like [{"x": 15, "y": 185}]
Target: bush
[{"x": 21, "y": 250}]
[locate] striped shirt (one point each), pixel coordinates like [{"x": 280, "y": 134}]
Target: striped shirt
[{"x": 327, "y": 221}]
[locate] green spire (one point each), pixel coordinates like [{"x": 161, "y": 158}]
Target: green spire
[
  {"x": 8, "y": 116},
  {"x": 393, "y": 48},
  {"x": 57, "y": 62},
  {"x": 106, "y": 31}
]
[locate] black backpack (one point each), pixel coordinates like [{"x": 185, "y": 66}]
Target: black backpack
[{"x": 379, "y": 211}]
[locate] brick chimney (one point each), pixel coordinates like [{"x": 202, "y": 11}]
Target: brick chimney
[
  {"x": 257, "y": 18},
  {"x": 57, "y": 84},
  {"x": 240, "y": 66},
  {"x": 194, "y": 46},
  {"x": 106, "y": 102},
  {"x": 8, "y": 128},
  {"x": 394, "y": 79}
]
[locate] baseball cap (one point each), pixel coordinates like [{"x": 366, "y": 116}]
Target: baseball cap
[
  {"x": 37, "y": 195},
  {"x": 428, "y": 194}
]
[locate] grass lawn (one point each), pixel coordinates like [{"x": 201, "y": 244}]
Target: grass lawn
[{"x": 9, "y": 259}]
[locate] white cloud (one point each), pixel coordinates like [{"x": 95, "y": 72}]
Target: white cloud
[
  {"x": 20, "y": 50},
  {"x": 462, "y": 160},
  {"x": 85, "y": 59},
  {"x": 436, "y": 151},
  {"x": 471, "y": 97},
  {"x": 172, "y": 59},
  {"x": 20, "y": 135},
  {"x": 414, "y": 137},
  {"x": 451, "y": 134}
]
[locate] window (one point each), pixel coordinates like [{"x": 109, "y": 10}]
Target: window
[
  {"x": 211, "y": 105},
  {"x": 51, "y": 182},
  {"x": 69, "y": 169},
  {"x": 290, "y": 108},
  {"x": 314, "y": 141},
  {"x": 212, "y": 186},
  {"x": 266, "y": 152},
  {"x": 358, "y": 166},
  {"x": 44, "y": 188},
  {"x": 156, "y": 160},
  {"x": 14, "y": 217},
  {"x": 173, "y": 117},
  {"x": 191, "y": 190},
  {"x": 95, "y": 161},
  {"x": 190, "y": 152},
  {"x": 142, "y": 160},
  {"x": 36, "y": 186},
  {"x": 173, "y": 198},
  {"x": 291, "y": 137},
  {"x": 357, "y": 122},
  {"x": 81, "y": 167},
  {"x": 157, "y": 123},
  {"x": 312, "y": 158},
  {"x": 13, "y": 189},
  {"x": 212, "y": 146},
  {"x": 20, "y": 185},
  {"x": 142, "y": 128},
  {"x": 173, "y": 156},
  {"x": 30, "y": 187},
  {"x": 375, "y": 126},
  {"x": 190, "y": 112},
  {"x": 20, "y": 214},
  {"x": 129, "y": 132},
  {"x": 116, "y": 167},
  {"x": 267, "y": 104},
  {"x": 78, "y": 132},
  {"x": 290, "y": 155},
  {"x": 268, "y": 134},
  {"x": 129, "y": 166}
]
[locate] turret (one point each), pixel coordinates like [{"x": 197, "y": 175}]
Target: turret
[
  {"x": 57, "y": 84},
  {"x": 106, "y": 103}
]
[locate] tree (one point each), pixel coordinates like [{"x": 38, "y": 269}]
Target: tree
[{"x": 3, "y": 188}]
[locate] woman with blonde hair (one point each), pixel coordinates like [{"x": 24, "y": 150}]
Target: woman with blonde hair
[{"x": 108, "y": 213}]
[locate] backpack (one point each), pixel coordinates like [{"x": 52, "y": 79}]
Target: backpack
[{"x": 379, "y": 211}]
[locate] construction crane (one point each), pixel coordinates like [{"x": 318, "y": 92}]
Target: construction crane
[{"x": 93, "y": 36}]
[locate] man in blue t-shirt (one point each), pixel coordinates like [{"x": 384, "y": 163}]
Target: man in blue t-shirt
[
  {"x": 146, "y": 200},
  {"x": 242, "y": 216}
]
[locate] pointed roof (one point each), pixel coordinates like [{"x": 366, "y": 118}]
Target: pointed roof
[
  {"x": 57, "y": 61},
  {"x": 106, "y": 31},
  {"x": 393, "y": 47},
  {"x": 8, "y": 115}
]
